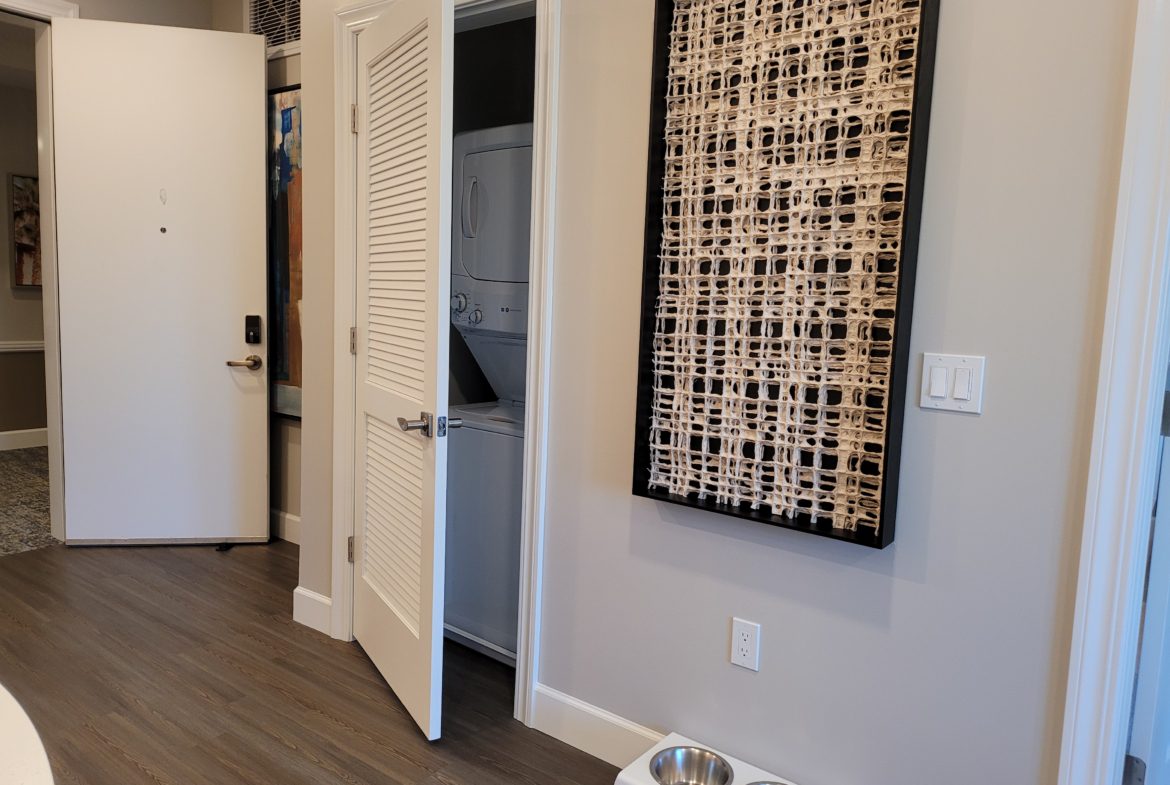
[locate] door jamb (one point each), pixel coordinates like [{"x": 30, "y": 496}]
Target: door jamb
[
  {"x": 47, "y": 11},
  {"x": 348, "y": 23},
  {"x": 1122, "y": 477},
  {"x": 41, "y": 10}
]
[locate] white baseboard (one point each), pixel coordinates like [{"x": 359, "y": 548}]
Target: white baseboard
[
  {"x": 312, "y": 609},
  {"x": 19, "y": 440},
  {"x": 286, "y": 526},
  {"x": 602, "y": 734}
]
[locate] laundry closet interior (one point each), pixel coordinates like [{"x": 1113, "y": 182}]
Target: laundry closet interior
[{"x": 494, "y": 83}]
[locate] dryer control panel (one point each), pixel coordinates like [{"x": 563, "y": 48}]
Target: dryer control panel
[{"x": 489, "y": 306}]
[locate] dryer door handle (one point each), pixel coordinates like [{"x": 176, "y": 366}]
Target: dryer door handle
[{"x": 470, "y": 207}]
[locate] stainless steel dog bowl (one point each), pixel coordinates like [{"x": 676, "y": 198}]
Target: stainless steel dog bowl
[{"x": 689, "y": 766}]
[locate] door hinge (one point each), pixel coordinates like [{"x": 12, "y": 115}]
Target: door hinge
[
  {"x": 1166, "y": 414},
  {"x": 349, "y": 546},
  {"x": 353, "y": 118},
  {"x": 1135, "y": 771},
  {"x": 353, "y": 340}
]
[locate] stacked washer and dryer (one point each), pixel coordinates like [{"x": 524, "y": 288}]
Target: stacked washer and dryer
[{"x": 492, "y": 200}]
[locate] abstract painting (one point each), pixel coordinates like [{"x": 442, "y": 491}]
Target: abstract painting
[
  {"x": 285, "y": 276},
  {"x": 26, "y": 231},
  {"x": 786, "y": 165}
]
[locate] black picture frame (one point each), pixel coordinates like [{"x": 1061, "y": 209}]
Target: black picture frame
[{"x": 896, "y": 401}]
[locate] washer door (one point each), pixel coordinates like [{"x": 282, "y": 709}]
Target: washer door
[{"x": 484, "y": 503}]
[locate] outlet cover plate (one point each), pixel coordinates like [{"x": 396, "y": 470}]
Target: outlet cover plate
[{"x": 745, "y": 644}]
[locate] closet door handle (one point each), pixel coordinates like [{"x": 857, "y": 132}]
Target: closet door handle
[
  {"x": 424, "y": 424},
  {"x": 470, "y": 207}
]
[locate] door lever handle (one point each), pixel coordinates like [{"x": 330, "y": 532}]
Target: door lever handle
[
  {"x": 251, "y": 362},
  {"x": 424, "y": 424}
]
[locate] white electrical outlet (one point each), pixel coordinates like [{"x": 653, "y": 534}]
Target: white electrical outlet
[{"x": 745, "y": 644}]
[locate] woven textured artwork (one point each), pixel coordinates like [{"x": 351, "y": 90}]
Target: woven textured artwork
[{"x": 783, "y": 200}]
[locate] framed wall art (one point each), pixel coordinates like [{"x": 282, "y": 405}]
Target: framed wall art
[
  {"x": 787, "y": 154},
  {"x": 285, "y": 270},
  {"x": 25, "y": 212}
]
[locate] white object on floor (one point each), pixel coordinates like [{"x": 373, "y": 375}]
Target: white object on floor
[
  {"x": 22, "y": 755},
  {"x": 638, "y": 772}
]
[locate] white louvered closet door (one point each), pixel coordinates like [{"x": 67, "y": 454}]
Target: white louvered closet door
[{"x": 404, "y": 176}]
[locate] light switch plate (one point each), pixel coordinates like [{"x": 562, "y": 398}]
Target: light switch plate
[{"x": 952, "y": 399}]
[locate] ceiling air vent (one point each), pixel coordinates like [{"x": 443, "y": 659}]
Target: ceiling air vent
[{"x": 279, "y": 21}]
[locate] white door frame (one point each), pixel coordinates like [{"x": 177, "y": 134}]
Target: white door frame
[
  {"x": 47, "y": 11},
  {"x": 44, "y": 10},
  {"x": 348, "y": 23},
  {"x": 1122, "y": 473}
]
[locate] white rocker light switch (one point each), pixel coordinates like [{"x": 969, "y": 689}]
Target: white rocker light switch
[{"x": 952, "y": 382}]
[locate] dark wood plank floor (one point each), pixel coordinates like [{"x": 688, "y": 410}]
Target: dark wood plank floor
[{"x": 183, "y": 666}]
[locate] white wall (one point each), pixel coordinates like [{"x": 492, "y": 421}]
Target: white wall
[{"x": 943, "y": 658}]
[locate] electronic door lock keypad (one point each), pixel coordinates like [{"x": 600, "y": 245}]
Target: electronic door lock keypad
[{"x": 252, "y": 328}]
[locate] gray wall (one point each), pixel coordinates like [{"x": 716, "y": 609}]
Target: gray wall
[
  {"x": 943, "y": 658},
  {"x": 173, "y": 13},
  {"x": 22, "y": 391},
  {"x": 940, "y": 659},
  {"x": 284, "y": 71},
  {"x": 20, "y": 308},
  {"x": 22, "y": 375},
  {"x": 285, "y": 471},
  {"x": 317, "y": 308}
]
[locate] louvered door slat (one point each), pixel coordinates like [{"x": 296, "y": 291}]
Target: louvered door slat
[{"x": 390, "y": 362}]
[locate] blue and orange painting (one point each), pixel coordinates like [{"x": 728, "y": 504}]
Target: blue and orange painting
[{"x": 284, "y": 249}]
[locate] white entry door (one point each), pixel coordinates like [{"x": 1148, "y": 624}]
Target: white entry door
[
  {"x": 160, "y": 176},
  {"x": 403, "y": 277}
]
